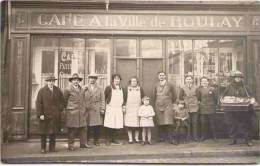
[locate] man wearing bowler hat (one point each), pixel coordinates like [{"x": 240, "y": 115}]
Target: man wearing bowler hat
[
  {"x": 76, "y": 113},
  {"x": 49, "y": 104},
  {"x": 95, "y": 103}
]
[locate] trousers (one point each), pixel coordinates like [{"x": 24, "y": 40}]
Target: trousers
[
  {"x": 52, "y": 141},
  {"x": 81, "y": 131},
  {"x": 207, "y": 123}
]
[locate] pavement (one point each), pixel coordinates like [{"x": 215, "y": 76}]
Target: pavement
[{"x": 207, "y": 151}]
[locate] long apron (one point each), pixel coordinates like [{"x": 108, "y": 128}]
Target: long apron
[
  {"x": 131, "y": 118},
  {"x": 163, "y": 107},
  {"x": 114, "y": 112}
]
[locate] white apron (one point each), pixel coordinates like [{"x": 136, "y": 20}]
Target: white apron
[
  {"x": 132, "y": 106},
  {"x": 114, "y": 112}
]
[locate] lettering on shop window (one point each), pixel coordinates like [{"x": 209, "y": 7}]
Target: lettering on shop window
[
  {"x": 65, "y": 62},
  {"x": 162, "y": 22}
]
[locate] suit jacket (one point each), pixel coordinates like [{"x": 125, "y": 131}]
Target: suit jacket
[{"x": 76, "y": 115}]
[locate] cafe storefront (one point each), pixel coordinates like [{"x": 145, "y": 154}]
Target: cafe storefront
[{"x": 49, "y": 39}]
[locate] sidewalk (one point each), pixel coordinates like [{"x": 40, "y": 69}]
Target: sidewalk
[{"x": 193, "y": 152}]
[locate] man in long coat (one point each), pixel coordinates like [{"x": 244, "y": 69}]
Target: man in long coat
[
  {"x": 164, "y": 95},
  {"x": 240, "y": 120},
  {"x": 76, "y": 112},
  {"x": 95, "y": 104},
  {"x": 49, "y": 104}
]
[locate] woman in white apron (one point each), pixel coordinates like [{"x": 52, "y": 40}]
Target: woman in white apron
[
  {"x": 134, "y": 95},
  {"x": 115, "y": 105}
]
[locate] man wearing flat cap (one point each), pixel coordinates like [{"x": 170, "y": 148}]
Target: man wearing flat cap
[
  {"x": 95, "y": 104},
  {"x": 76, "y": 114},
  {"x": 239, "y": 120},
  {"x": 49, "y": 104}
]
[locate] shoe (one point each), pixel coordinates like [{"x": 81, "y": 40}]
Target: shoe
[
  {"x": 150, "y": 142},
  {"x": 130, "y": 142},
  {"x": 115, "y": 143},
  {"x": 249, "y": 143},
  {"x": 137, "y": 141},
  {"x": 196, "y": 139},
  {"x": 71, "y": 148},
  {"x": 143, "y": 143},
  {"x": 202, "y": 139},
  {"x": 43, "y": 151},
  {"x": 85, "y": 146},
  {"x": 174, "y": 142},
  {"x": 96, "y": 143},
  {"x": 215, "y": 139},
  {"x": 234, "y": 142}
]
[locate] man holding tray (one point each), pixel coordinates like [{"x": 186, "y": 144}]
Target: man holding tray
[{"x": 237, "y": 104}]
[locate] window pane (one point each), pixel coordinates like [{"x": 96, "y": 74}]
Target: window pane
[
  {"x": 180, "y": 59},
  {"x": 98, "y": 51},
  {"x": 71, "y": 59},
  {"x": 151, "y": 48},
  {"x": 230, "y": 58},
  {"x": 205, "y": 63},
  {"x": 125, "y": 47}
]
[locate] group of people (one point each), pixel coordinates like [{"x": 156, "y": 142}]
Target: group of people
[{"x": 190, "y": 114}]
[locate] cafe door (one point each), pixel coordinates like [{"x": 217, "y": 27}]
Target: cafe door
[{"x": 140, "y": 57}]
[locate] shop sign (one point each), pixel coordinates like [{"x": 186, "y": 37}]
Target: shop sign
[
  {"x": 136, "y": 22},
  {"x": 65, "y": 62},
  {"x": 256, "y": 23}
]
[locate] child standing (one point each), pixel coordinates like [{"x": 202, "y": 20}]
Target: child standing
[
  {"x": 146, "y": 114},
  {"x": 181, "y": 116}
]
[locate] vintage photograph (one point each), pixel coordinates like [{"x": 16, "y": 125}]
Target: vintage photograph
[{"x": 130, "y": 81}]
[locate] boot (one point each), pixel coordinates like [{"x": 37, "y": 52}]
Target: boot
[{"x": 233, "y": 142}]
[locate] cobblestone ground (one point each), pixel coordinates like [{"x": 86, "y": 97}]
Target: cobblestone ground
[{"x": 196, "y": 160}]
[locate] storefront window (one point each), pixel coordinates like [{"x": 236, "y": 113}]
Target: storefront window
[
  {"x": 214, "y": 59},
  {"x": 206, "y": 57},
  {"x": 151, "y": 48},
  {"x": 125, "y": 47},
  {"x": 180, "y": 59},
  {"x": 98, "y": 52},
  {"x": 71, "y": 59},
  {"x": 230, "y": 59}
]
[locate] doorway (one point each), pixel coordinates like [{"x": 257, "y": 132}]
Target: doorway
[{"x": 140, "y": 57}]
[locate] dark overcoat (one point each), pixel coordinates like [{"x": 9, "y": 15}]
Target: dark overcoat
[
  {"x": 50, "y": 104},
  {"x": 76, "y": 113}
]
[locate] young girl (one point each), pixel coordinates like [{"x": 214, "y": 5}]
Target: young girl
[
  {"x": 182, "y": 122},
  {"x": 146, "y": 114}
]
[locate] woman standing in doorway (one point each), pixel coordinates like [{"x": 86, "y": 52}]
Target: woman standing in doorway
[
  {"x": 134, "y": 95},
  {"x": 115, "y": 106}
]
